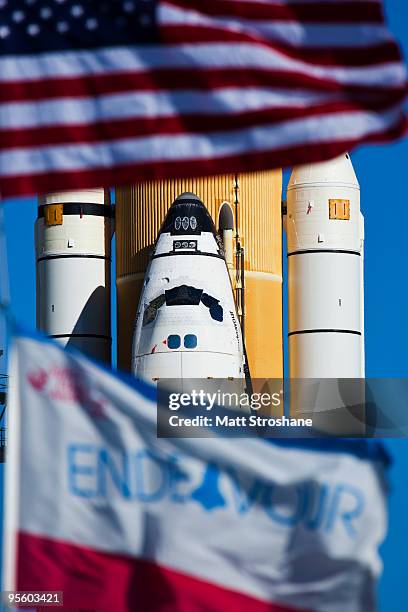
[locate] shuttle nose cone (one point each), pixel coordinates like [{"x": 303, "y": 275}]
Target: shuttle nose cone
[
  {"x": 186, "y": 216},
  {"x": 337, "y": 171}
]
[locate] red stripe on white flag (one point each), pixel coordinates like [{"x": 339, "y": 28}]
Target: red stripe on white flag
[{"x": 93, "y": 580}]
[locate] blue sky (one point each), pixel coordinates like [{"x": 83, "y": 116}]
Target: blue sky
[{"x": 381, "y": 171}]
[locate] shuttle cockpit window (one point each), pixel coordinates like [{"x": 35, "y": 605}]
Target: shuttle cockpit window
[
  {"x": 174, "y": 341},
  {"x": 184, "y": 296},
  {"x": 190, "y": 341},
  {"x": 214, "y": 307},
  {"x": 191, "y": 296},
  {"x": 151, "y": 309}
]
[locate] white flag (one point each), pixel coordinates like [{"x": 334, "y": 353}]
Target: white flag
[{"x": 102, "y": 510}]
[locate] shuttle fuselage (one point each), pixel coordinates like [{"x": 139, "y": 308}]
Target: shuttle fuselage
[{"x": 186, "y": 324}]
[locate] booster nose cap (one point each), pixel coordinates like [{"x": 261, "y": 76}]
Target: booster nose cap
[
  {"x": 187, "y": 216},
  {"x": 338, "y": 171}
]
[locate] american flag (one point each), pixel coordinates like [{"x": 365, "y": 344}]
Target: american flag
[{"x": 98, "y": 92}]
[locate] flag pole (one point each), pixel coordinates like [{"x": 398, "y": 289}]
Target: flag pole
[
  {"x": 12, "y": 475},
  {"x": 10, "y": 482}
]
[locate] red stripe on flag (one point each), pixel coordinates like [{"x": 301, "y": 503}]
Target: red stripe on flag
[
  {"x": 307, "y": 12},
  {"x": 93, "y": 580},
  {"x": 180, "y": 79},
  {"x": 179, "y": 124},
  {"x": 130, "y": 173}
]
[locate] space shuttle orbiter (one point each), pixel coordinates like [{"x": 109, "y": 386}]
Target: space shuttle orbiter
[{"x": 186, "y": 324}]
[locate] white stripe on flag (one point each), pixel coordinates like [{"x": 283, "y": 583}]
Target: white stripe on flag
[
  {"x": 222, "y": 101},
  {"x": 201, "y": 55},
  {"x": 323, "y": 128}
]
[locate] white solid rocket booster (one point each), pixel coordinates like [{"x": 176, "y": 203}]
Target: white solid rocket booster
[
  {"x": 325, "y": 242},
  {"x": 73, "y": 234}
]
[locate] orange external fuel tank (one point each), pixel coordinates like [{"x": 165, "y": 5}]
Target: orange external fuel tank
[{"x": 246, "y": 209}]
